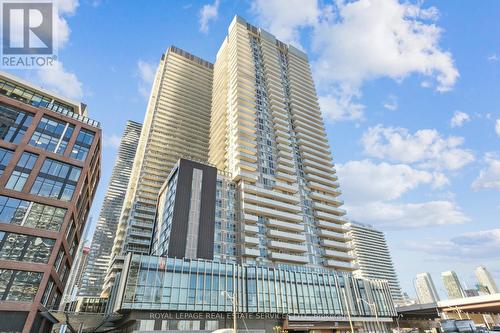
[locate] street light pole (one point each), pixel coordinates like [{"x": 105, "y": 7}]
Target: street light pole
[
  {"x": 233, "y": 302},
  {"x": 374, "y": 311},
  {"x": 348, "y": 311}
]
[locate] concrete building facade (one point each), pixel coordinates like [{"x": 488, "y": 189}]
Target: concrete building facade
[
  {"x": 176, "y": 124},
  {"x": 268, "y": 133}
]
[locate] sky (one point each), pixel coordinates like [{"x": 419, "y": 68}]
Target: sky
[{"x": 410, "y": 93}]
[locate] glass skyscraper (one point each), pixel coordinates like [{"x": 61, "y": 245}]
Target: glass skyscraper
[{"x": 102, "y": 242}]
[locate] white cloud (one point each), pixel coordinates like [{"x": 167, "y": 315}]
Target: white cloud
[
  {"x": 459, "y": 118},
  {"x": 425, "y": 147},
  {"x": 408, "y": 215},
  {"x": 57, "y": 78},
  {"x": 284, "y": 18},
  {"x": 370, "y": 190},
  {"x": 111, "y": 141},
  {"x": 340, "y": 107},
  {"x": 391, "y": 103},
  {"x": 363, "y": 40},
  {"x": 493, "y": 57},
  {"x": 484, "y": 244},
  {"x": 497, "y": 127},
  {"x": 365, "y": 181},
  {"x": 146, "y": 72},
  {"x": 208, "y": 13},
  {"x": 489, "y": 178},
  {"x": 64, "y": 8}
]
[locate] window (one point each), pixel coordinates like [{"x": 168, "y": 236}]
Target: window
[
  {"x": 13, "y": 124},
  {"x": 56, "y": 180},
  {"x": 31, "y": 214},
  {"x": 19, "y": 285},
  {"x": 5, "y": 156},
  {"x": 21, "y": 171},
  {"x": 25, "y": 248},
  {"x": 52, "y": 135},
  {"x": 82, "y": 145},
  {"x": 146, "y": 325}
]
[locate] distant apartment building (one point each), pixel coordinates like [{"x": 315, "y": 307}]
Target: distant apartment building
[
  {"x": 425, "y": 289},
  {"x": 452, "y": 285},
  {"x": 104, "y": 235},
  {"x": 176, "y": 125},
  {"x": 485, "y": 280},
  {"x": 75, "y": 277},
  {"x": 50, "y": 156},
  {"x": 373, "y": 256}
]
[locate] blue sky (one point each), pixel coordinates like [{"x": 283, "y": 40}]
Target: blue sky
[{"x": 410, "y": 92}]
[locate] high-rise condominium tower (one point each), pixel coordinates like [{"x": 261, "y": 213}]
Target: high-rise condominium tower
[
  {"x": 102, "y": 242},
  {"x": 425, "y": 288},
  {"x": 268, "y": 133},
  {"x": 176, "y": 124},
  {"x": 485, "y": 280},
  {"x": 452, "y": 285},
  {"x": 260, "y": 226},
  {"x": 373, "y": 256}
]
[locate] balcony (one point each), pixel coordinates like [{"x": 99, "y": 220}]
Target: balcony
[
  {"x": 286, "y": 235},
  {"x": 314, "y": 150},
  {"x": 270, "y": 193},
  {"x": 250, "y": 218},
  {"x": 332, "y": 226},
  {"x": 249, "y": 252},
  {"x": 248, "y": 197},
  {"x": 284, "y": 147},
  {"x": 336, "y": 244},
  {"x": 251, "y": 240},
  {"x": 286, "y": 177},
  {"x": 246, "y": 149},
  {"x": 246, "y": 157},
  {"x": 287, "y": 246},
  {"x": 330, "y": 174},
  {"x": 329, "y": 208},
  {"x": 286, "y": 154},
  {"x": 341, "y": 265},
  {"x": 332, "y": 235},
  {"x": 284, "y": 168},
  {"x": 324, "y": 188},
  {"x": 285, "y": 225},
  {"x": 289, "y": 257},
  {"x": 338, "y": 255},
  {"x": 249, "y": 166},
  {"x": 240, "y": 174},
  {"x": 286, "y": 161},
  {"x": 273, "y": 213},
  {"x": 286, "y": 187},
  {"x": 250, "y": 229},
  {"x": 322, "y": 180},
  {"x": 318, "y": 160},
  {"x": 326, "y": 197},
  {"x": 330, "y": 217}
]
